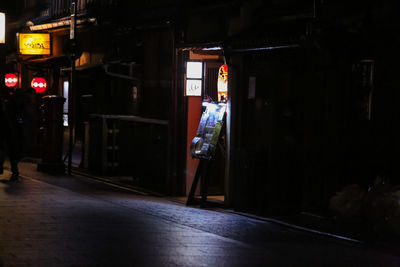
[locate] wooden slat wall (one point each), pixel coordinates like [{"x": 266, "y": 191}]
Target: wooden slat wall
[
  {"x": 61, "y": 8},
  {"x": 211, "y": 80}
]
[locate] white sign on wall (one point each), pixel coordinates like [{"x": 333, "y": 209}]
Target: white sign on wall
[
  {"x": 193, "y": 87},
  {"x": 194, "y": 69},
  {"x": 194, "y": 75},
  {"x": 2, "y": 28}
]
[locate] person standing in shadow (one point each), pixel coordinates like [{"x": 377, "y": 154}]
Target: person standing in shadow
[
  {"x": 13, "y": 116},
  {"x": 2, "y": 138}
]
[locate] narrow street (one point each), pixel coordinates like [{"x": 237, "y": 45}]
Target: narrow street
[{"x": 63, "y": 221}]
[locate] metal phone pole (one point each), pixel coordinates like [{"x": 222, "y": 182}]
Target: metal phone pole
[{"x": 71, "y": 95}]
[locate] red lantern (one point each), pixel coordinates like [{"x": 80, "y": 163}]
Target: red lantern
[
  {"x": 39, "y": 84},
  {"x": 11, "y": 80}
]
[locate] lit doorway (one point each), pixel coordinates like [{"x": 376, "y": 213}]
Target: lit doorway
[{"x": 201, "y": 79}]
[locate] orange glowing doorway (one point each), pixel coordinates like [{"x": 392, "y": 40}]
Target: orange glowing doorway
[{"x": 210, "y": 66}]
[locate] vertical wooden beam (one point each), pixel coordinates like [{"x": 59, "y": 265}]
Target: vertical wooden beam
[{"x": 71, "y": 95}]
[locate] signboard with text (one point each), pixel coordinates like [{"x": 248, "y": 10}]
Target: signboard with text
[
  {"x": 205, "y": 142},
  {"x": 2, "y": 28},
  {"x": 223, "y": 84},
  {"x": 34, "y": 43},
  {"x": 194, "y": 75},
  {"x": 193, "y": 87}
]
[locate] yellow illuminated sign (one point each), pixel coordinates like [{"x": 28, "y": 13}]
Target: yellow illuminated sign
[
  {"x": 34, "y": 43},
  {"x": 2, "y": 28}
]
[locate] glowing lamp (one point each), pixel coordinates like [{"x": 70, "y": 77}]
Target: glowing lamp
[
  {"x": 39, "y": 84},
  {"x": 11, "y": 80}
]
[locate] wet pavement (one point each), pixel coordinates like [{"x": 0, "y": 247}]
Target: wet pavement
[{"x": 76, "y": 221}]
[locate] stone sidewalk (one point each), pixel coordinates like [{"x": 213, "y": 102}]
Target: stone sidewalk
[{"x": 75, "y": 221}]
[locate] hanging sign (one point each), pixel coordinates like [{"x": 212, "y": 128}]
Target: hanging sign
[
  {"x": 39, "y": 84},
  {"x": 34, "y": 43},
  {"x": 223, "y": 84},
  {"x": 11, "y": 80},
  {"x": 2, "y": 28}
]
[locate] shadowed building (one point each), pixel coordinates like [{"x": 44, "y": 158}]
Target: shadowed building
[{"x": 310, "y": 93}]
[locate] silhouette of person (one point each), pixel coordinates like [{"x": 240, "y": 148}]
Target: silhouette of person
[
  {"x": 2, "y": 138},
  {"x": 12, "y": 116}
]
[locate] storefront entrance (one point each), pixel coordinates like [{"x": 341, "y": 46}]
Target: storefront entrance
[{"x": 201, "y": 79}]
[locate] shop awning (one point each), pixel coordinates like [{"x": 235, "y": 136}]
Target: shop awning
[
  {"x": 61, "y": 23},
  {"x": 82, "y": 67},
  {"x": 46, "y": 62},
  {"x": 272, "y": 35},
  {"x": 201, "y": 46}
]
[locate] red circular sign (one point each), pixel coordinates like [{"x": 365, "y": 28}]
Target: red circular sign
[
  {"x": 39, "y": 84},
  {"x": 11, "y": 80}
]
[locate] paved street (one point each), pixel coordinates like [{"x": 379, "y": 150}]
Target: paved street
[{"x": 63, "y": 221}]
